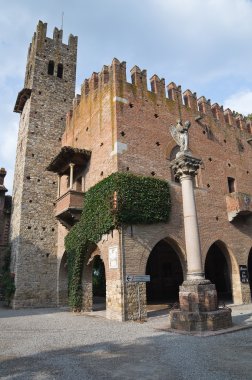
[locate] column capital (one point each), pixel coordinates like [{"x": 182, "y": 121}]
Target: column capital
[{"x": 185, "y": 165}]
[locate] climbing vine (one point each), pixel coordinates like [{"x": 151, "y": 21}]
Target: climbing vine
[{"x": 120, "y": 199}]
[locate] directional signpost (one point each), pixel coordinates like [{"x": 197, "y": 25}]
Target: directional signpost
[{"x": 137, "y": 279}]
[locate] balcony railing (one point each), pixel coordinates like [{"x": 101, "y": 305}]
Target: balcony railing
[
  {"x": 238, "y": 204},
  {"x": 68, "y": 207}
]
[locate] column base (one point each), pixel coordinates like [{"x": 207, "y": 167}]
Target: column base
[
  {"x": 205, "y": 321},
  {"x": 199, "y": 308}
]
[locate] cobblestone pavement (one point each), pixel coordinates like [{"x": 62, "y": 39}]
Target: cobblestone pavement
[{"x": 56, "y": 344}]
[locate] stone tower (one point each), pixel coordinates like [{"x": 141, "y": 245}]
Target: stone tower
[{"x": 47, "y": 95}]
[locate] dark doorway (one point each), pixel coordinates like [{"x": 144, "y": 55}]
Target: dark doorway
[
  {"x": 250, "y": 270},
  {"x": 165, "y": 272},
  {"x": 99, "y": 284},
  {"x": 217, "y": 271}
]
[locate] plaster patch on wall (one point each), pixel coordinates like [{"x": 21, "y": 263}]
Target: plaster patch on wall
[
  {"x": 121, "y": 100},
  {"x": 119, "y": 148}
]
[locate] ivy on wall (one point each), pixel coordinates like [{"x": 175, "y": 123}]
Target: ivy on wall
[{"x": 120, "y": 199}]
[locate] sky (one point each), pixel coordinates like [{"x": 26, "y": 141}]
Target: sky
[{"x": 204, "y": 46}]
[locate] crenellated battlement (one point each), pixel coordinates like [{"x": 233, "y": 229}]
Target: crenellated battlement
[
  {"x": 115, "y": 74},
  {"x": 40, "y": 36},
  {"x": 52, "y": 51}
]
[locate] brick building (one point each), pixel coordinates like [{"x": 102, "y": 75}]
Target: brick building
[{"x": 117, "y": 125}]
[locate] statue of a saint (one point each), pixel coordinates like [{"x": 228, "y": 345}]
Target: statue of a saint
[{"x": 180, "y": 135}]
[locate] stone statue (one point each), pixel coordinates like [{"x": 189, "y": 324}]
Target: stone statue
[{"x": 180, "y": 135}]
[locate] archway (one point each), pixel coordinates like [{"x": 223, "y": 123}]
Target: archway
[
  {"x": 217, "y": 270},
  {"x": 98, "y": 284},
  {"x": 63, "y": 282},
  {"x": 166, "y": 274},
  {"x": 250, "y": 270}
]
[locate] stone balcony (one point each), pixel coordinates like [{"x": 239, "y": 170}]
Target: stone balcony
[
  {"x": 238, "y": 204},
  {"x": 68, "y": 208}
]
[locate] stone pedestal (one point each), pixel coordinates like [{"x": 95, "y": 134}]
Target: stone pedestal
[
  {"x": 199, "y": 308},
  {"x": 197, "y": 296}
]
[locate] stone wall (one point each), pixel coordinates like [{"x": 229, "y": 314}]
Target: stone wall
[
  {"x": 5, "y": 213},
  {"x": 34, "y": 228}
]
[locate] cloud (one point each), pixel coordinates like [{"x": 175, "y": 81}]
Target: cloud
[{"x": 240, "y": 102}]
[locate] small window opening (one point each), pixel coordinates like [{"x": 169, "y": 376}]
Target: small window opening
[
  {"x": 60, "y": 70},
  {"x": 50, "y": 68},
  {"x": 231, "y": 185},
  {"x": 186, "y": 101}
]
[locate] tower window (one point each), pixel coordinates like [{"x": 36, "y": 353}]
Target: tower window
[
  {"x": 231, "y": 184},
  {"x": 60, "y": 70},
  {"x": 50, "y": 68}
]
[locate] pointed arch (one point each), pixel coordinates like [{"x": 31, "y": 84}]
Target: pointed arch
[{"x": 232, "y": 266}]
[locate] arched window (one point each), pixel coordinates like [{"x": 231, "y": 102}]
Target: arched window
[
  {"x": 50, "y": 68},
  {"x": 60, "y": 70}
]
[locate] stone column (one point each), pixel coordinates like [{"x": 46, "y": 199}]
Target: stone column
[
  {"x": 197, "y": 296},
  {"x": 194, "y": 262},
  {"x": 71, "y": 165}
]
